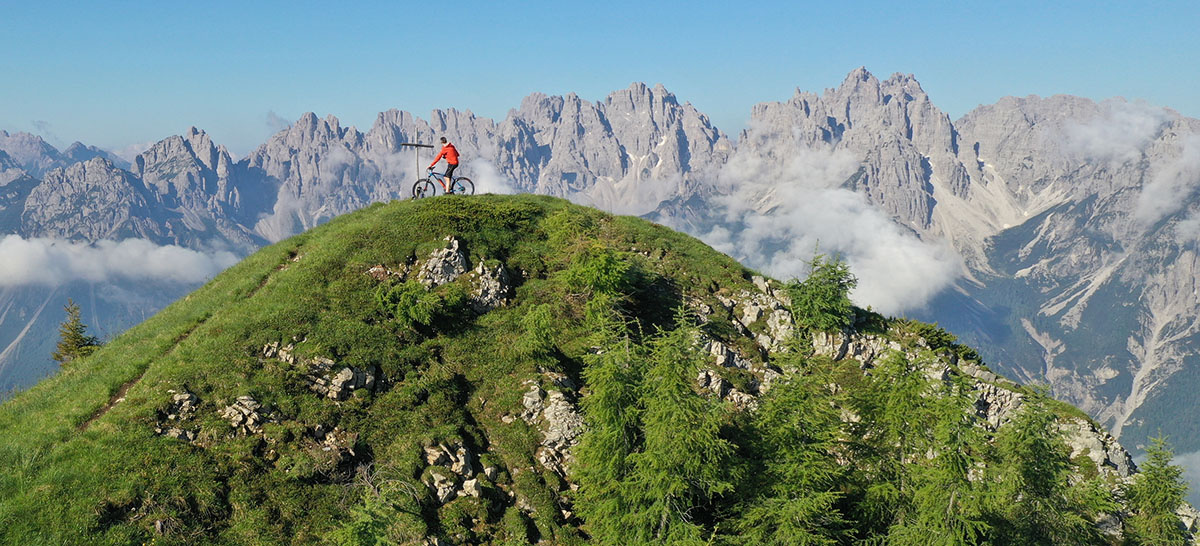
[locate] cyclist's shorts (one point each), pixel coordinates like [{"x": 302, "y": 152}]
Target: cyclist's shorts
[{"x": 450, "y": 171}]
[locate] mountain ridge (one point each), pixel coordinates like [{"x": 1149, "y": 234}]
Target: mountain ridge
[{"x": 1087, "y": 172}]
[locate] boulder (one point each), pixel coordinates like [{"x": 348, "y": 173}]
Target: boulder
[
  {"x": 244, "y": 416},
  {"x": 493, "y": 288},
  {"x": 443, "y": 485},
  {"x": 444, "y": 265},
  {"x": 471, "y": 488}
]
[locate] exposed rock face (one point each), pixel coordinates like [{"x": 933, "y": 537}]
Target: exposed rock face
[
  {"x": 444, "y": 265},
  {"x": 901, "y": 138},
  {"x": 90, "y": 201},
  {"x": 1099, "y": 446},
  {"x": 493, "y": 287},
  {"x": 560, "y": 422},
  {"x": 37, "y": 157}
]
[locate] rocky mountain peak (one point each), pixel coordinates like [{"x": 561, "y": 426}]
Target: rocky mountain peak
[
  {"x": 79, "y": 151},
  {"x": 33, "y": 154}
]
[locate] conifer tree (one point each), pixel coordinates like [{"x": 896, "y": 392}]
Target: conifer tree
[
  {"x": 1034, "y": 500},
  {"x": 947, "y": 506},
  {"x": 1153, "y": 497},
  {"x": 822, "y": 301},
  {"x": 796, "y": 491},
  {"x": 894, "y": 428},
  {"x": 684, "y": 463},
  {"x": 610, "y": 411},
  {"x": 73, "y": 339}
]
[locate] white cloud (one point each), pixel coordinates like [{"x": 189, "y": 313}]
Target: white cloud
[
  {"x": 52, "y": 262},
  {"x": 1188, "y": 230},
  {"x": 779, "y": 211},
  {"x": 1171, "y": 184},
  {"x": 1120, "y": 133},
  {"x": 334, "y": 162},
  {"x": 487, "y": 177}
]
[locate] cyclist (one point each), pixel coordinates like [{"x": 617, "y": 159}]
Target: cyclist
[{"x": 451, "y": 154}]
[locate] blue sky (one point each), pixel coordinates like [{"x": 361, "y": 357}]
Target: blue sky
[{"x": 113, "y": 74}]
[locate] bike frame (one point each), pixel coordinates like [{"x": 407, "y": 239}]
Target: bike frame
[{"x": 440, "y": 177}]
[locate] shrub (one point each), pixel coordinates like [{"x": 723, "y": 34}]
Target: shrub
[{"x": 538, "y": 324}]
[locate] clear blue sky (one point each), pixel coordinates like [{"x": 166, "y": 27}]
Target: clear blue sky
[{"x": 116, "y": 73}]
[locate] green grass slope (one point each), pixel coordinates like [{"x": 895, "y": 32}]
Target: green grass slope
[
  {"x": 81, "y": 455},
  {"x": 204, "y": 425}
]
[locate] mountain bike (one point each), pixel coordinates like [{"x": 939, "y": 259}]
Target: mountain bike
[{"x": 425, "y": 187}]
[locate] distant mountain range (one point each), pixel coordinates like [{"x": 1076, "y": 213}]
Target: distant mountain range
[{"x": 1056, "y": 234}]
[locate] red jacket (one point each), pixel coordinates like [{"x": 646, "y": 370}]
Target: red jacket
[{"x": 449, "y": 152}]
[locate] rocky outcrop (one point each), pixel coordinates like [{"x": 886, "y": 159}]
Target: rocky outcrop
[
  {"x": 768, "y": 307},
  {"x": 711, "y": 381},
  {"x": 322, "y": 375},
  {"x": 1086, "y": 439},
  {"x": 557, "y": 417},
  {"x": 450, "y": 472},
  {"x": 995, "y": 403},
  {"x": 382, "y": 273},
  {"x": 493, "y": 287},
  {"x": 245, "y": 417},
  {"x": 443, "y": 265},
  {"x": 865, "y": 348},
  {"x": 340, "y": 385}
]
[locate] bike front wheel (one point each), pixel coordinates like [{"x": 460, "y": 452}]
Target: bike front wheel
[
  {"x": 463, "y": 186},
  {"x": 424, "y": 188}
]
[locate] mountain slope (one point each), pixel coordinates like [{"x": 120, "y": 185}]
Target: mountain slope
[
  {"x": 1053, "y": 233},
  {"x": 415, "y": 371}
]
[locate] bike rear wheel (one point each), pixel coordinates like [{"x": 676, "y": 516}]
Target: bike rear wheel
[
  {"x": 424, "y": 188},
  {"x": 463, "y": 186}
]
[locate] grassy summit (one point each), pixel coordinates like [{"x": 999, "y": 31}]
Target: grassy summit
[{"x": 548, "y": 374}]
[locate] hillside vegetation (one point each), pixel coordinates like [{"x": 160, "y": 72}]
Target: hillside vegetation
[{"x": 517, "y": 370}]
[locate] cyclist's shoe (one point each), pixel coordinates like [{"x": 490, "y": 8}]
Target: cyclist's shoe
[{"x": 451, "y": 192}]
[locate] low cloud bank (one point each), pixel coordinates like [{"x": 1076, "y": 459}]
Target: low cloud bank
[
  {"x": 52, "y": 262},
  {"x": 778, "y": 212}
]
